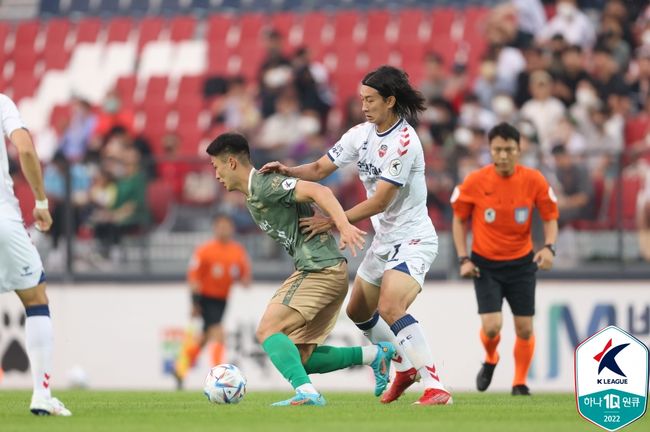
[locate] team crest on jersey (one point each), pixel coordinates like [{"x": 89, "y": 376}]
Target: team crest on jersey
[
  {"x": 490, "y": 215},
  {"x": 382, "y": 150},
  {"x": 521, "y": 215},
  {"x": 395, "y": 167}
]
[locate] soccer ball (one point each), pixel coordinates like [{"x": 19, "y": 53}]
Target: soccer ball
[{"x": 225, "y": 384}]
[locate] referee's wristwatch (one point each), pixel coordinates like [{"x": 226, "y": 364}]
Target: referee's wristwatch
[
  {"x": 550, "y": 247},
  {"x": 462, "y": 260}
]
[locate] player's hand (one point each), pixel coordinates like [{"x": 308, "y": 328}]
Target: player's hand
[
  {"x": 544, "y": 259},
  {"x": 352, "y": 238},
  {"x": 274, "y": 166},
  {"x": 315, "y": 224},
  {"x": 196, "y": 310},
  {"x": 43, "y": 219},
  {"x": 469, "y": 271}
]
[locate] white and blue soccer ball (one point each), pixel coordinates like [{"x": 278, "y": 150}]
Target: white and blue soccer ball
[{"x": 225, "y": 384}]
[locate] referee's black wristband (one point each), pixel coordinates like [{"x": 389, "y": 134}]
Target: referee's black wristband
[
  {"x": 462, "y": 260},
  {"x": 550, "y": 247}
]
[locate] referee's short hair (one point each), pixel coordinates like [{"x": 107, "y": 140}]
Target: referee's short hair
[{"x": 504, "y": 130}]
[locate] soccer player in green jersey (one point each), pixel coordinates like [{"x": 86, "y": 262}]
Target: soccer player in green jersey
[{"x": 303, "y": 311}]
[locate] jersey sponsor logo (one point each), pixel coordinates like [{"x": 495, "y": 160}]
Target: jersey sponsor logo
[
  {"x": 382, "y": 150},
  {"x": 289, "y": 184},
  {"x": 521, "y": 215},
  {"x": 368, "y": 168},
  {"x": 395, "y": 167},
  {"x": 551, "y": 194},
  {"x": 490, "y": 215}
]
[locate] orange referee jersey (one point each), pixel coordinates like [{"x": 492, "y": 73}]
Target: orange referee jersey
[
  {"x": 501, "y": 209},
  {"x": 215, "y": 266}
]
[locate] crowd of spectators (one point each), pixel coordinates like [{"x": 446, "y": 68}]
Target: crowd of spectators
[{"x": 575, "y": 82}]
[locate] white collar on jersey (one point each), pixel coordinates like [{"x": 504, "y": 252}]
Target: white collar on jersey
[
  {"x": 250, "y": 180},
  {"x": 390, "y": 129}
]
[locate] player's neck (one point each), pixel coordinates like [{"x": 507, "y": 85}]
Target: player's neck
[
  {"x": 388, "y": 123},
  {"x": 244, "y": 178}
]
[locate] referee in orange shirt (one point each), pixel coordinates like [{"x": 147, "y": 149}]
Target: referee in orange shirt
[
  {"x": 214, "y": 267},
  {"x": 499, "y": 198}
]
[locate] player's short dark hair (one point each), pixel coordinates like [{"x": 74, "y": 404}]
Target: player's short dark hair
[
  {"x": 504, "y": 130},
  {"x": 230, "y": 143},
  {"x": 391, "y": 81}
]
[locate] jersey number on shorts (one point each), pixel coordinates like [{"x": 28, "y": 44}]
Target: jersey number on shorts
[{"x": 394, "y": 257}]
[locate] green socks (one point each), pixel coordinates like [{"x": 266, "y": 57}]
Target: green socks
[
  {"x": 327, "y": 359},
  {"x": 285, "y": 357}
]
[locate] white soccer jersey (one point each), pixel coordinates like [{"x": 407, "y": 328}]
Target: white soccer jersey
[
  {"x": 394, "y": 156},
  {"x": 9, "y": 121}
]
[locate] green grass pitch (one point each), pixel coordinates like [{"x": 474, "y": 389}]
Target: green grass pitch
[{"x": 95, "y": 411}]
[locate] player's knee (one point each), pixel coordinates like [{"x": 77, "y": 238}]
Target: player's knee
[
  {"x": 390, "y": 312},
  {"x": 357, "y": 314},
  {"x": 524, "y": 332},
  {"x": 492, "y": 332}
]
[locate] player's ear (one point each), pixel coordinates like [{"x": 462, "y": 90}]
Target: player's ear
[{"x": 390, "y": 100}]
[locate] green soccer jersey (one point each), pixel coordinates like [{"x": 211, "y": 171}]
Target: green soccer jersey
[{"x": 271, "y": 202}]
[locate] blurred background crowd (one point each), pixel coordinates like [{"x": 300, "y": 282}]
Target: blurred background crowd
[{"x": 122, "y": 98}]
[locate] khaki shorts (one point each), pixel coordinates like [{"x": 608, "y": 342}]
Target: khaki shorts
[{"x": 318, "y": 297}]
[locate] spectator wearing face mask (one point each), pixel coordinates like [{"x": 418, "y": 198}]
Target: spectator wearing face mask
[
  {"x": 543, "y": 109},
  {"x": 112, "y": 115},
  {"x": 571, "y": 23}
]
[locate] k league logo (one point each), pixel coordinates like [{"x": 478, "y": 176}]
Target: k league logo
[{"x": 611, "y": 378}]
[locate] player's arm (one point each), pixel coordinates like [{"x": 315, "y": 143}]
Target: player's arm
[
  {"x": 31, "y": 168},
  {"x": 384, "y": 195},
  {"x": 313, "y": 171},
  {"x": 351, "y": 236}
]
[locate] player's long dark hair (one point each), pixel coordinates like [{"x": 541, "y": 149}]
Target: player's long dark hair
[{"x": 391, "y": 81}]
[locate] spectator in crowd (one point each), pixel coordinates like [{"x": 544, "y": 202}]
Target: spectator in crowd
[
  {"x": 434, "y": 82},
  {"x": 237, "y": 110},
  {"x": 605, "y": 74},
  {"x": 531, "y": 16},
  {"x": 54, "y": 178},
  {"x": 473, "y": 115},
  {"x": 530, "y": 154},
  {"x": 571, "y": 73},
  {"x": 571, "y": 23},
  {"x": 113, "y": 114},
  {"x": 640, "y": 83},
  {"x": 488, "y": 84},
  {"x": 171, "y": 167},
  {"x": 543, "y": 109},
  {"x": 503, "y": 107},
  {"x": 610, "y": 36},
  {"x": 535, "y": 60},
  {"x": 574, "y": 187},
  {"x": 130, "y": 212},
  {"x": 274, "y": 74},
  {"x": 312, "y": 86},
  {"x": 79, "y": 132}
]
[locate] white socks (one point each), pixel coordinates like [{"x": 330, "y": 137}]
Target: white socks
[
  {"x": 38, "y": 337},
  {"x": 411, "y": 338},
  {"x": 377, "y": 330}
]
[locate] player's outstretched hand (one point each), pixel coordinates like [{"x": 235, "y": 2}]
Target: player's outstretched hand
[
  {"x": 544, "y": 259},
  {"x": 315, "y": 224},
  {"x": 352, "y": 238},
  {"x": 274, "y": 166},
  {"x": 468, "y": 270},
  {"x": 43, "y": 219}
]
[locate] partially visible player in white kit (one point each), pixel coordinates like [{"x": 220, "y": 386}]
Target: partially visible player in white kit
[
  {"x": 390, "y": 159},
  {"x": 21, "y": 269}
]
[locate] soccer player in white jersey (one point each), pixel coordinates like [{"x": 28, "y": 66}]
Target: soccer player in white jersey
[
  {"x": 21, "y": 269},
  {"x": 390, "y": 159}
]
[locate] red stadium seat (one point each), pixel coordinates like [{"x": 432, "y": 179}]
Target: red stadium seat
[
  {"x": 377, "y": 22},
  {"x": 149, "y": 30},
  {"x": 26, "y": 33},
  {"x": 88, "y": 30},
  {"x": 345, "y": 23},
  {"x": 119, "y": 29},
  {"x": 125, "y": 86},
  {"x": 251, "y": 27},
  {"x": 283, "y": 23},
  {"x": 636, "y": 129},
  {"x": 190, "y": 86},
  {"x": 156, "y": 91},
  {"x": 25, "y": 62},
  {"x": 182, "y": 28},
  {"x": 312, "y": 31},
  {"x": 23, "y": 85},
  {"x": 442, "y": 20},
  {"x": 56, "y": 33},
  {"x": 409, "y": 24},
  {"x": 218, "y": 28},
  {"x": 60, "y": 117},
  {"x": 160, "y": 198},
  {"x": 25, "y": 199}
]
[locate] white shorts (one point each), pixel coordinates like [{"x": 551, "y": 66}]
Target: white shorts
[
  {"x": 20, "y": 264},
  {"x": 413, "y": 256}
]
